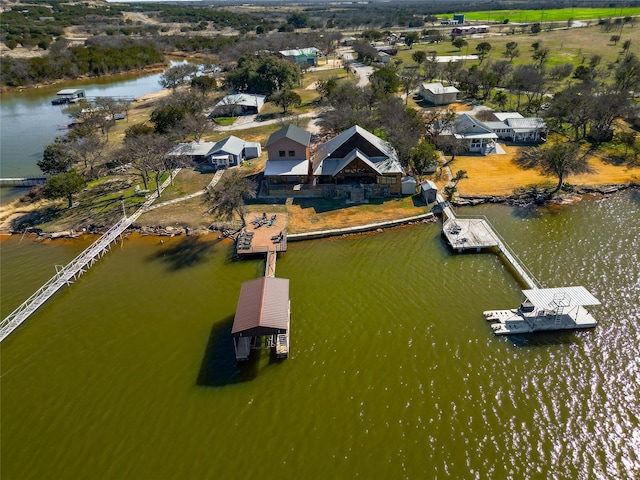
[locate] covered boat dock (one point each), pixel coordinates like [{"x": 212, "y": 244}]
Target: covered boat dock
[{"x": 262, "y": 317}]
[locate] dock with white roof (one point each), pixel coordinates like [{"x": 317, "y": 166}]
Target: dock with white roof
[{"x": 544, "y": 308}]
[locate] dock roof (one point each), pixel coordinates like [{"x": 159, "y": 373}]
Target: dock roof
[
  {"x": 560, "y": 297},
  {"x": 263, "y": 308}
]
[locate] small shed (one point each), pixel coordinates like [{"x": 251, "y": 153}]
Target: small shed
[
  {"x": 409, "y": 185},
  {"x": 428, "y": 191},
  {"x": 263, "y": 311},
  {"x": 252, "y": 150}
]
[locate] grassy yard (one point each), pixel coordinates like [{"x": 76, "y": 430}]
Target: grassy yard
[
  {"x": 575, "y": 45},
  {"x": 555, "y": 15}
]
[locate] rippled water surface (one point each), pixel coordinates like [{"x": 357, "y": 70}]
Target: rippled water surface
[{"x": 393, "y": 373}]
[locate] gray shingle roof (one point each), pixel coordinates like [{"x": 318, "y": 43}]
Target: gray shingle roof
[{"x": 291, "y": 132}]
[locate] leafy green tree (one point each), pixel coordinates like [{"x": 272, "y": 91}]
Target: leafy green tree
[
  {"x": 229, "y": 195},
  {"x": 326, "y": 87},
  {"x": 167, "y": 118},
  {"x": 384, "y": 81},
  {"x": 263, "y": 75},
  {"x": 511, "y": 50},
  {"x": 423, "y": 157},
  {"x": 298, "y": 20},
  {"x": 419, "y": 56},
  {"x": 559, "y": 160},
  {"x": 286, "y": 99},
  {"x": 56, "y": 157},
  {"x": 482, "y": 50},
  {"x": 204, "y": 84},
  {"x": 410, "y": 38},
  {"x": 64, "y": 185},
  {"x": 459, "y": 42},
  {"x": 500, "y": 98}
]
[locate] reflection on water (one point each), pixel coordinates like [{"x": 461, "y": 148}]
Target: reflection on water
[{"x": 393, "y": 372}]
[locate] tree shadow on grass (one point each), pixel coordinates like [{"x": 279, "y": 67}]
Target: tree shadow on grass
[
  {"x": 219, "y": 366},
  {"x": 37, "y": 217},
  {"x": 188, "y": 252}
]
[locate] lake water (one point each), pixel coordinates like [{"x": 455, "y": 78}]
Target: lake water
[
  {"x": 393, "y": 371},
  {"x": 28, "y": 121}
]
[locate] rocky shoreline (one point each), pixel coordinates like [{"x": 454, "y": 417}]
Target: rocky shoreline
[
  {"x": 228, "y": 230},
  {"x": 533, "y": 197}
]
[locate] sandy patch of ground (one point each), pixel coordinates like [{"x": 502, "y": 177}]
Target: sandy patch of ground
[{"x": 499, "y": 175}]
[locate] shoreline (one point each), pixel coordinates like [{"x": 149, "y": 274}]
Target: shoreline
[
  {"x": 138, "y": 71},
  {"x": 159, "y": 231}
]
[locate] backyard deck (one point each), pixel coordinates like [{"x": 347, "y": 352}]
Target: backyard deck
[{"x": 264, "y": 232}]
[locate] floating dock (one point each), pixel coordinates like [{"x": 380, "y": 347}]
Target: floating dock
[{"x": 544, "y": 308}]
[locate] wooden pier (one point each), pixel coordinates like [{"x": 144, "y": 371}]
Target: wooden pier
[
  {"x": 266, "y": 232},
  {"x": 22, "y": 181},
  {"x": 476, "y": 233},
  {"x": 65, "y": 275}
]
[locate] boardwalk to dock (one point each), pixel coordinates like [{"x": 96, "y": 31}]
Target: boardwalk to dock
[
  {"x": 74, "y": 269},
  {"x": 476, "y": 233}
]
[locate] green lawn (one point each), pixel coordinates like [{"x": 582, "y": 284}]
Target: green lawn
[{"x": 557, "y": 15}]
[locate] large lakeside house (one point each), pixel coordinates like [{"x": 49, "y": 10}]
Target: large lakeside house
[
  {"x": 480, "y": 137},
  {"x": 355, "y": 163}
]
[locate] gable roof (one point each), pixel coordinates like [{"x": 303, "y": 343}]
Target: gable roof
[
  {"x": 502, "y": 116},
  {"x": 298, "y": 52},
  {"x": 380, "y": 155},
  {"x": 468, "y": 127},
  {"x": 231, "y": 144},
  {"x": 438, "y": 89},
  {"x": 263, "y": 308},
  {"x": 243, "y": 99},
  {"x": 292, "y": 132},
  {"x": 195, "y": 149},
  {"x": 526, "y": 124}
]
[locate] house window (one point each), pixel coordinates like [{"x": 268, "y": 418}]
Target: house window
[
  {"x": 281, "y": 153},
  {"x": 292, "y": 153}
]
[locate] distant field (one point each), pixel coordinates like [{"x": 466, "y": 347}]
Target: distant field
[{"x": 559, "y": 15}]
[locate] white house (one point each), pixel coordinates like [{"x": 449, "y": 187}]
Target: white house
[
  {"x": 514, "y": 127},
  {"x": 228, "y": 152},
  {"x": 239, "y": 104},
  {"x": 475, "y": 134},
  {"x": 438, "y": 94}
]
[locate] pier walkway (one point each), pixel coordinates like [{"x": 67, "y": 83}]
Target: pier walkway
[
  {"x": 65, "y": 275},
  {"x": 22, "y": 181},
  {"x": 476, "y": 233}
]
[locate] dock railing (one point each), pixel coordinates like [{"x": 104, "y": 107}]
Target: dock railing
[
  {"x": 516, "y": 262},
  {"x": 76, "y": 267}
]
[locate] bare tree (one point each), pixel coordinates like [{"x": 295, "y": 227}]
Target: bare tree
[{"x": 229, "y": 195}]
